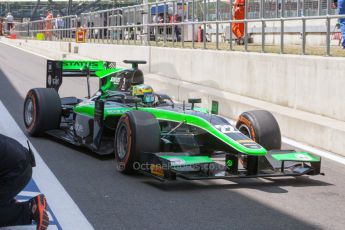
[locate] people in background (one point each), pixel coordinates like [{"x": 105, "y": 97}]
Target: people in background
[
  {"x": 16, "y": 164},
  {"x": 155, "y": 19},
  {"x": 1, "y": 28},
  {"x": 49, "y": 25},
  {"x": 340, "y": 4},
  {"x": 175, "y": 19},
  {"x": 13, "y": 29},
  {"x": 238, "y": 14},
  {"x": 59, "y": 24},
  {"x": 10, "y": 21},
  {"x": 160, "y": 20}
]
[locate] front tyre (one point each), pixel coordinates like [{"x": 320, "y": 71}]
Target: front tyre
[
  {"x": 42, "y": 111},
  {"x": 137, "y": 134},
  {"x": 261, "y": 127}
]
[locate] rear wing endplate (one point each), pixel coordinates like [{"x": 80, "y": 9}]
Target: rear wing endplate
[{"x": 56, "y": 70}]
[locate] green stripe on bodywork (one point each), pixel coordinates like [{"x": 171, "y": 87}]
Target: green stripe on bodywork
[
  {"x": 161, "y": 114},
  {"x": 187, "y": 160},
  {"x": 88, "y": 109},
  {"x": 296, "y": 156},
  {"x": 107, "y": 72}
]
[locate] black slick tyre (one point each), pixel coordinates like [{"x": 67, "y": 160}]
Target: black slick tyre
[
  {"x": 262, "y": 127},
  {"x": 42, "y": 111},
  {"x": 137, "y": 134}
]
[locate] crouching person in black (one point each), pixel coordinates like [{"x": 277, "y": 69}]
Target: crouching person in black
[{"x": 16, "y": 164}]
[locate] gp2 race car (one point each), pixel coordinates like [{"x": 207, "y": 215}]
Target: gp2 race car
[{"x": 149, "y": 133}]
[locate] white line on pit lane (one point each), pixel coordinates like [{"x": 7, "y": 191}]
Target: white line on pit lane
[
  {"x": 325, "y": 154},
  {"x": 41, "y": 55},
  {"x": 22, "y": 49},
  {"x": 66, "y": 211}
]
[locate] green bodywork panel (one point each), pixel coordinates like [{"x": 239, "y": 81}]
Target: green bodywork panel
[
  {"x": 87, "y": 109},
  {"x": 108, "y": 73},
  {"x": 296, "y": 156},
  {"x": 80, "y": 65},
  {"x": 187, "y": 160}
]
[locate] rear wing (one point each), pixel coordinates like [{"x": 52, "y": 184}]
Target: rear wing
[{"x": 56, "y": 70}]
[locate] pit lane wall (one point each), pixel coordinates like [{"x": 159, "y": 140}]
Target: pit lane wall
[{"x": 305, "y": 93}]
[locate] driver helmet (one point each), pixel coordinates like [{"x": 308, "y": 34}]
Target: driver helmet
[{"x": 145, "y": 92}]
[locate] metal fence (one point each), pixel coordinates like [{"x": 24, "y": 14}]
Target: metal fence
[
  {"x": 54, "y": 29},
  {"x": 173, "y": 22}
]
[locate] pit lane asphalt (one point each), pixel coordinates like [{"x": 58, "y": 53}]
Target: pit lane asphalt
[{"x": 111, "y": 200}]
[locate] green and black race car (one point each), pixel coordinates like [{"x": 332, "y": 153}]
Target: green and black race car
[{"x": 151, "y": 134}]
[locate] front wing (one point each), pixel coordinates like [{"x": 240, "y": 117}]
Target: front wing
[{"x": 170, "y": 166}]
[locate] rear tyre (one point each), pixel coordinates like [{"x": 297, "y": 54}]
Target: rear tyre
[
  {"x": 262, "y": 127},
  {"x": 137, "y": 134},
  {"x": 42, "y": 111}
]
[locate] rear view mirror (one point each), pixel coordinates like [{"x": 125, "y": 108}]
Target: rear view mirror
[{"x": 194, "y": 101}]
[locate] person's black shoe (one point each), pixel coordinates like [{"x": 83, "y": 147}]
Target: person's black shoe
[{"x": 39, "y": 213}]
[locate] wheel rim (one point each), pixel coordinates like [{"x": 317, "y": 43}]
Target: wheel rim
[
  {"x": 245, "y": 130},
  {"x": 122, "y": 142},
  {"x": 29, "y": 111}
]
